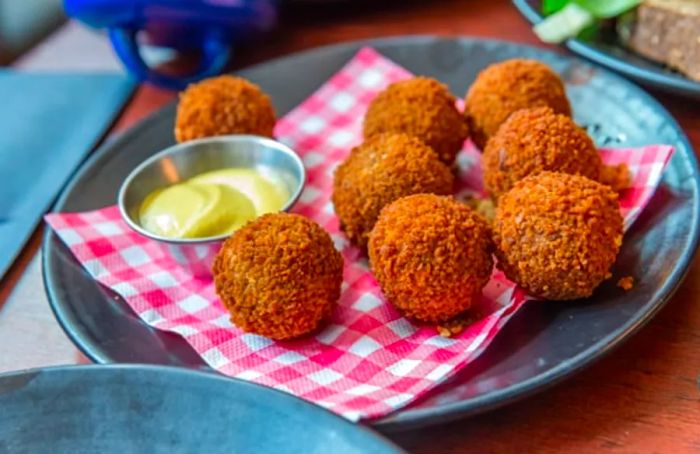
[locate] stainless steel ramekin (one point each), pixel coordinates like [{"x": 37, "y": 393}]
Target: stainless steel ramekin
[{"x": 186, "y": 160}]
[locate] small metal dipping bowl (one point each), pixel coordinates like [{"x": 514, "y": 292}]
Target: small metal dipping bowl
[{"x": 186, "y": 160}]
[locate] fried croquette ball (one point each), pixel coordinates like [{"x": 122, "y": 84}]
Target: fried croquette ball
[
  {"x": 502, "y": 88},
  {"x": 533, "y": 140},
  {"x": 617, "y": 176},
  {"x": 223, "y": 105},
  {"x": 384, "y": 168},
  {"x": 279, "y": 276},
  {"x": 431, "y": 256},
  {"x": 557, "y": 235},
  {"x": 421, "y": 107}
]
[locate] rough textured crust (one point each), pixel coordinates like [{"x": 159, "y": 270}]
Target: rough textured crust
[
  {"x": 502, "y": 88},
  {"x": 626, "y": 283},
  {"x": 381, "y": 170},
  {"x": 668, "y": 31},
  {"x": 534, "y": 140},
  {"x": 423, "y": 108},
  {"x": 557, "y": 235},
  {"x": 279, "y": 276},
  {"x": 431, "y": 256},
  {"x": 223, "y": 105},
  {"x": 618, "y": 176}
]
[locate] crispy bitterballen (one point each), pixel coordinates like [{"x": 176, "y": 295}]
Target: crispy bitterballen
[
  {"x": 223, "y": 105},
  {"x": 431, "y": 256},
  {"x": 557, "y": 235},
  {"x": 279, "y": 276},
  {"x": 384, "y": 168},
  {"x": 421, "y": 107},
  {"x": 534, "y": 140},
  {"x": 502, "y": 88}
]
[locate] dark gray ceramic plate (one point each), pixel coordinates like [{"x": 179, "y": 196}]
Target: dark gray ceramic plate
[
  {"x": 156, "y": 409},
  {"x": 540, "y": 346},
  {"x": 617, "y": 57}
]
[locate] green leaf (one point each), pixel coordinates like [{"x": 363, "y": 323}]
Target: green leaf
[
  {"x": 590, "y": 32},
  {"x": 605, "y": 9},
  {"x": 552, "y": 6},
  {"x": 564, "y": 24}
]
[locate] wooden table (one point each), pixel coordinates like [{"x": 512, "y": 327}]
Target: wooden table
[{"x": 643, "y": 398}]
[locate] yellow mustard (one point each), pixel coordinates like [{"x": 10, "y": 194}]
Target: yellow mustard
[{"x": 211, "y": 204}]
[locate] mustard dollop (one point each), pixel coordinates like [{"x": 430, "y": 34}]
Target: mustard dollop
[{"x": 213, "y": 203}]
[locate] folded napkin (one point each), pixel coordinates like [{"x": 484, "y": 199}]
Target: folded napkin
[
  {"x": 368, "y": 360},
  {"x": 50, "y": 123}
]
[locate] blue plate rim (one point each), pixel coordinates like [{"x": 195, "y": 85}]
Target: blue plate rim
[{"x": 194, "y": 374}]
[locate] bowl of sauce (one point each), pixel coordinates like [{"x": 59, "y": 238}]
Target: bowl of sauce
[{"x": 192, "y": 196}]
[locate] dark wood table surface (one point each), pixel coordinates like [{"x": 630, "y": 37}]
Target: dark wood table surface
[{"x": 642, "y": 398}]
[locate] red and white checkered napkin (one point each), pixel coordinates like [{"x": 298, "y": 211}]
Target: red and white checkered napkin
[{"x": 368, "y": 360}]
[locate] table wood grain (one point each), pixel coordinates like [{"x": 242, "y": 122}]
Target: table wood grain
[{"x": 642, "y": 398}]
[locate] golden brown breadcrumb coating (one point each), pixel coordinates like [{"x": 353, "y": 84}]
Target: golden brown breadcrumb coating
[
  {"x": 533, "y": 140},
  {"x": 421, "y": 107},
  {"x": 223, "y": 105},
  {"x": 384, "y": 168},
  {"x": 279, "y": 276},
  {"x": 502, "y": 88},
  {"x": 557, "y": 235},
  {"x": 626, "y": 283},
  {"x": 618, "y": 176},
  {"x": 431, "y": 256}
]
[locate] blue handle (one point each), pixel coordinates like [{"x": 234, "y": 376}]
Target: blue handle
[{"x": 215, "y": 54}]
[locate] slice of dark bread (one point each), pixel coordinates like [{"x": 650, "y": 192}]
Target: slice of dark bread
[{"x": 668, "y": 31}]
